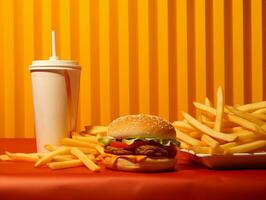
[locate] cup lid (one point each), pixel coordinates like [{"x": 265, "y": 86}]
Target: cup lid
[{"x": 51, "y": 64}]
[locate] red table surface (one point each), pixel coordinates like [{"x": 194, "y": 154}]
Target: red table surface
[{"x": 20, "y": 180}]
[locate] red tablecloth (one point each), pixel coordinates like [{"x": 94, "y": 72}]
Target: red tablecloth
[{"x": 19, "y": 180}]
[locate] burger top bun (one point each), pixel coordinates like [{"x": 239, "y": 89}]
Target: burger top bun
[{"x": 142, "y": 125}]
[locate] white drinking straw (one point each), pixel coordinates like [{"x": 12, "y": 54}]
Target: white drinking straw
[{"x": 53, "y": 57}]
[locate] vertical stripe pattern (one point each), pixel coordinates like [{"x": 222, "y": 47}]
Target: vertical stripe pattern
[{"x": 137, "y": 56}]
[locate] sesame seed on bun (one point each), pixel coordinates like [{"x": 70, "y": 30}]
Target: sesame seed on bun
[{"x": 143, "y": 125}]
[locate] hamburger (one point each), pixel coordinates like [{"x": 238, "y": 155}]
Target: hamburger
[{"x": 140, "y": 143}]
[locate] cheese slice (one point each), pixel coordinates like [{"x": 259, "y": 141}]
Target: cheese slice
[{"x": 132, "y": 158}]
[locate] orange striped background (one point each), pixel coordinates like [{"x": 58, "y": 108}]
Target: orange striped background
[{"x": 137, "y": 56}]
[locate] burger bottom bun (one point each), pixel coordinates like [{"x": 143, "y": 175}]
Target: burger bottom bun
[{"x": 148, "y": 165}]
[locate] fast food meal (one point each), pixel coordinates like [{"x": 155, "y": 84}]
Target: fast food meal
[
  {"x": 140, "y": 143},
  {"x": 149, "y": 143},
  {"x": 224, "y": 129}
]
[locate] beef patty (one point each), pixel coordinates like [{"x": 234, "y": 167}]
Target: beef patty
[
  {"x": 150, "y": 149},
  {"x": 117, "y": 151}
]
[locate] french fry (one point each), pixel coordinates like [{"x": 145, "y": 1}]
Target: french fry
[
  {"x": 5, "y": 157},
  {"x": 209, "y": 111},
  {"x": 91, "y": 157},
  {"x": 232, "y": 129},
  {"x": 65, "y": 164},
  {"x": 184, "y": 145},
  {"x": 70, "y": 157},
  {"x": 211, "y": 114},
  {"x": 94, "y": 130},
  {"x": 203, "y": 150},
  {"x": 89, "y": 150},
  {"x": 260, "y": 111},
  {"x": 260, "y": 116},
  {"x": 195, "y": 134},
  {"x": 205, "y": 109},
  {"x": 246, "y": 135},
  {"x": 207, "y": 102},
  {"x": 86, "y": 150},
  {"x": 40, "y": 155},
  {"x": 23, "y": 157},
  {"x": 186, "y": 138},
  {"x": 209, "y": 141},
  {"x": 100, "y": 149},
  {"x": 74, "y": 142},
  {"x": 245, "y": 115},
  {"x": 252, "y": 106},
  {"x": 50, "y": 147},
  {"x": 245, "y": 123},
  {"x": 211, "y": 124},
  {"x": 251, "y": 139},
  {"x": 207, "y": 122},
  {"x": 248, "y": 147},
  {"x": 88, "y": 138},
  {"x": 82, "y": 157},
  {"x": 47, "y": 158},
  {"x": 63, "y": 157},
  {"x": 219, "y": 109},
  {"x": 227, "y": 145},
  {"x": 221, "y": 149},
  {"x": 183, "y": 126},
  {"x": 207, "y": 130}
]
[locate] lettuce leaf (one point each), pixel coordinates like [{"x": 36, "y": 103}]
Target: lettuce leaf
[
  {"x": 165, "y": 142},
  {"x": 106, "y": 140}
]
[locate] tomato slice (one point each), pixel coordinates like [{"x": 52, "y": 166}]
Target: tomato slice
[{"x": 118, "y": 144}]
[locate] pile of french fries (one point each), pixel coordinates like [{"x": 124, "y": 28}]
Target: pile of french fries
[
  {"x": 223, "y": 129},
  {"x": 83, "y": 149}
]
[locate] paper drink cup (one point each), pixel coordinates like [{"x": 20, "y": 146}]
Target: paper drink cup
[{"x": 55, "y": 89}]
